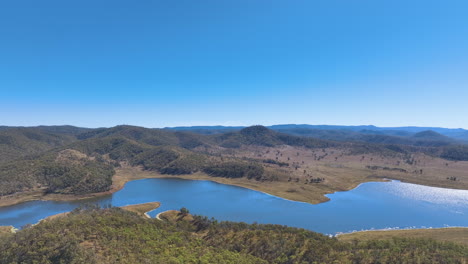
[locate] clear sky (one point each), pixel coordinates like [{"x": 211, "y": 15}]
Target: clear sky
[{"x": 241, "y": 62}]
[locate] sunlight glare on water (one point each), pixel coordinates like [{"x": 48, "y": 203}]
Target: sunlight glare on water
[
  {"x": 372, "y": 205},
  {"x": 428, "y": 194}
]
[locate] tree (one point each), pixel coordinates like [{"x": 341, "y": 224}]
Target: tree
[{"x": 184, "y": 211}]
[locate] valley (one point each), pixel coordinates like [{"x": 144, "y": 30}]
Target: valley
[{"x": 99, "y": 162}]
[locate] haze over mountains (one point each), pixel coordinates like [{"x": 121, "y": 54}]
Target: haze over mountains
[
  {"x": 365, "y": 133},
  {"x": 369, "y": 133}
]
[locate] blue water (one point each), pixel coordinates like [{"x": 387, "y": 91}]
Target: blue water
[{"x": 374, "y": 205}]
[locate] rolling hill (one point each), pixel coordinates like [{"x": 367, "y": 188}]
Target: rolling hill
[
  {"x": 78, "y": 161},
  {"x": 21, "y": 142}
]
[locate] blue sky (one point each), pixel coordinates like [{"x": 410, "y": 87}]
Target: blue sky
[{"x": 184, "y": 62}]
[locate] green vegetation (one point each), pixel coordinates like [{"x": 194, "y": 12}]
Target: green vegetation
[
  {"x": 18, "y": 143},
  {"x": 455, "y": 153},
  {"x": 170, "y": 160},
  {"x": 426, "y": 138},
  {"x": 77, "y": 161},
  {"x": 262, "y": 136},
  {"x": 70, "y": 160},
  {"x": 117, "y": 236},
  {"x": 279, "y": 163},
  {"x": 89, "y": 177},
  {"x": 155, "y": 159},
  {"x": 66, "y": 171},
  {"x": 279, "y": 244},
  {"x": 457, "y": 235},
  {"x": 5, "y": 231},
  {"x": 184, "y": 211},
  {"x": 142, "y": 208},
  {"x": 111, "y": 236},
  {"x": 236, "y": 170}
]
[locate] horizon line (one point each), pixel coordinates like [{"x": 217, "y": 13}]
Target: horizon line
[{"x": 234, "y": 126}]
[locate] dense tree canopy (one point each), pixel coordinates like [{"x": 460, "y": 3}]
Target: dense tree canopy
[{"x": 117, "y": 236}]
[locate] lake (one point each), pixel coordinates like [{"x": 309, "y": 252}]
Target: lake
[{"x": 372, "y": 205}]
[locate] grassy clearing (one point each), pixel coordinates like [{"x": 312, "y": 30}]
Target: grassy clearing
[
  {"x": 142, "y": 209},
  {"x": 5, "y": 231},
  {"x": 52, "y": 217},
  {"x": 21, "y": 197},
  {"x": 175, "y": 216},
  {"x": 342, "y": 170},
  {"x": 456, "y": 235}
]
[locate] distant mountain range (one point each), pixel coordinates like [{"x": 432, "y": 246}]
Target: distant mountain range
[{"x": 410, "y": 135}]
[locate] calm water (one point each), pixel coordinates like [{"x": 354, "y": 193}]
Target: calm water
[{"x": 375, "y": 205}]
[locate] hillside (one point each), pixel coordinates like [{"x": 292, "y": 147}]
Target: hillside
[
  {"x": 262, "y": 136},
  {"x": 452, "y": 234},
  {"x": 17, "y": 143},
  {"x": 87, "y": 165},
  {"x": 65, "y": 160},
  {"x": 115, "y": 235},
  {"x": 66, "y": 171}
]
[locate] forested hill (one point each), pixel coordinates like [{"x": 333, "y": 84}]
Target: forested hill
[
  {"x": 20, "y": 142},
  {"x": 72, "y": 160},
  {"x": 118, "y": 236}
]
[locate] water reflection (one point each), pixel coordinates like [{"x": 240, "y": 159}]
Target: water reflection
[{"x": 375, "y": 205}]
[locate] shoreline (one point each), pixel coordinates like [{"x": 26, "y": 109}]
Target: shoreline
[
  {"x": 42, "y": 196},
  {"x": 268, "y": 188},
  {"x": 454, "y": 234},
  {"x": 121, "y": 180},
  {"x": 125, "y": 175},
  {"x": 390, "y": 229},
  {"x": 143, "y": 208},
  {"x": 158, "y": 216},
  {"x": 38, "y": 195},
  {"x": 136, "y": 208}
]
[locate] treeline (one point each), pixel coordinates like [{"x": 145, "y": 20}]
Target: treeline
[
  {"x": 235, "y": 170},
  {"x": 457, "y": 153},
  {"x": 374, "y": 167},
  {"x": 117, "y": 236},
  {"x": 276, "y": 162}
]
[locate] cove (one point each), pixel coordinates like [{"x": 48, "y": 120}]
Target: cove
[{"x": 372, "y": 205}]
